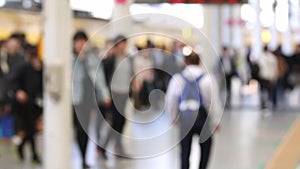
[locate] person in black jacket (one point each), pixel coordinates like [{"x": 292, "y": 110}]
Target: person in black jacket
[
  {"x": 27, "y": 86},
  {"x": 230, "y": 71},
  {"x": 118, "y": 69}
]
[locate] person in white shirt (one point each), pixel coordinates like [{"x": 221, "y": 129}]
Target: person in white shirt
[
  {"x": 267, "y": 63},
  {"x": 205, "y": 124}
]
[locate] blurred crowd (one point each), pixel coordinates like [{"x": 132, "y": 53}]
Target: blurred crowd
[
  {"x": 151, "y": 66},
  {"x": 21, "y": 92},
  {"x": 275, "y": 72}
]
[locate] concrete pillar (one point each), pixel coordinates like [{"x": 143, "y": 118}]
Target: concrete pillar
[
  {"x": 284, "y": 8},
  {"x": 237, "y": 40},
  {"x": 273, "y": 44},
  {"x": 121, "y": 9},
  {"x": 210, "y": 42},
  {"x": 295, "y": 22},
  {"x": 256, "y": 32},
  {"x": 226, "y": 37},
  {"x": 57, "y": 94},
  {"x": 215, "y": 27},
  {"x": 287, "y": 43}
]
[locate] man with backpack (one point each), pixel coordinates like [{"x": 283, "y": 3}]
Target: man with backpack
[{"x": 193, "y": 97}]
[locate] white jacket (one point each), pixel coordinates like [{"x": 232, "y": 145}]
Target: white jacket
[
  {"x": 267, "y": 63},
  {"x": 208, "y": 87}
]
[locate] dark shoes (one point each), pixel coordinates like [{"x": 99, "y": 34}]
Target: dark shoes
[
  {"x": 20, "y": 153},
  {"x": 36, "y": 160},
  {"x": 85, "y": 166},
  {"x": 102, "y": 152}
]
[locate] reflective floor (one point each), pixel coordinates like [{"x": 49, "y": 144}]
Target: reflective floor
[{"x": 247, "y": 140}]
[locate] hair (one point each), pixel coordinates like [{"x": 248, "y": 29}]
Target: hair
[
  {"x": 118, "y": 39},
  {"x": 80, "y": 35},
  {"x": 266, "y": 48},
  {"x": 224, "y": 47},
  {"x": 193, "y": 59}
]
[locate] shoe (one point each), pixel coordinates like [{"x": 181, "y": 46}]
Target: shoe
[
  {"x": 36, "y": 160},
  {"x": 102, "y": 152},
  {"x": 122, "y": 154},
  {"x": 85, "y": 166},
  {"x": 20, "y": 153}
]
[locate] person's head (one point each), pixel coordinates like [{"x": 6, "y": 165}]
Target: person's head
[
  {"x": 79, "y": 40},
  {"x": 225, "y": 51},
  {"x": 120, "y": 44},
  {"x": 13, "y": 45},
  {"x": 109, "y": 47},
  {"x": 192, "y": 59},
  {"x": 266, "y": 48}
]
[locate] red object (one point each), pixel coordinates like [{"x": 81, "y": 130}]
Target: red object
[
  {"x": 120, "y": 1},
  {"x": 217, "y": 1},
  {"x": 176, "y": 1},
  {"x": 232, "y": 1},
  {"x": 196, "y": 1}
]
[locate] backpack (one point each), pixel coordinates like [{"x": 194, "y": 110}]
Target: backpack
[{"x": 191, "y": 104}]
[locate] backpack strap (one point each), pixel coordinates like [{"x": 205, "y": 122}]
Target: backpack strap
[{"x": 197, "y": 80}]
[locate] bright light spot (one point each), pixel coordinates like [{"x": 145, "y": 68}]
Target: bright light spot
[
  {"x": 266, "y": 18},
  {"x": 2, "y": 3},
  {"x": 37, "y": 1},
  {"x": 248, "y": 13},
  {"x": 266, "y": 36},
  {"x": 186, "y": 51}
]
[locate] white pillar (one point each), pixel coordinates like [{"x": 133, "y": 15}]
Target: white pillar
[
  {"x": 121, "y": 9},
  {"x": 297, "y": 27},
  {"x": 57, "y": 94},
  {"x": 215, "y": 26},
  {"x": 273, "y": 44},
  {"x": 237, "y": 40},
  {"x": 226, "y": 38},
  {"x": 211, "y": 41},
  {"x": 295, "y": 23},
  {"x": 287, "y": 43},
  {"x": 283, "y": 10},
  {"x": 256, "y": 33}
]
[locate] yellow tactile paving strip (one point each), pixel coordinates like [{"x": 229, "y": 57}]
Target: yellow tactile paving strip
[{"x": 287, "y": 155}]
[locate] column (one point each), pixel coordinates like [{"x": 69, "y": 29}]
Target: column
[
  {"x": 283, "y": 25},
  {"x": 121, "y": 10},
  {"x": 226, "y": 23},
  {"x": 211, "y": 39},
  {"x": 256, "y": 32},
  {"x": 237, "y": 40},
  {"x": 57, "y": 94},
  {"x": 273, "y": 44},
  {"x": 294, "y": 21}
]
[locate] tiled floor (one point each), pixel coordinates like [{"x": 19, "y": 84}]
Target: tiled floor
[{"x": 246, "y": 141}]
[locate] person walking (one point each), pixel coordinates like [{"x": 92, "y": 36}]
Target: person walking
[
  {"x": 189, "y": 94},
  {"x": 230, "y": 71},
  {"x": 27, "y": 86},
  {"x": 268, "y": 74},
  {"x": 119, "y": 71},
  {"x": 88, "y": 80}
]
